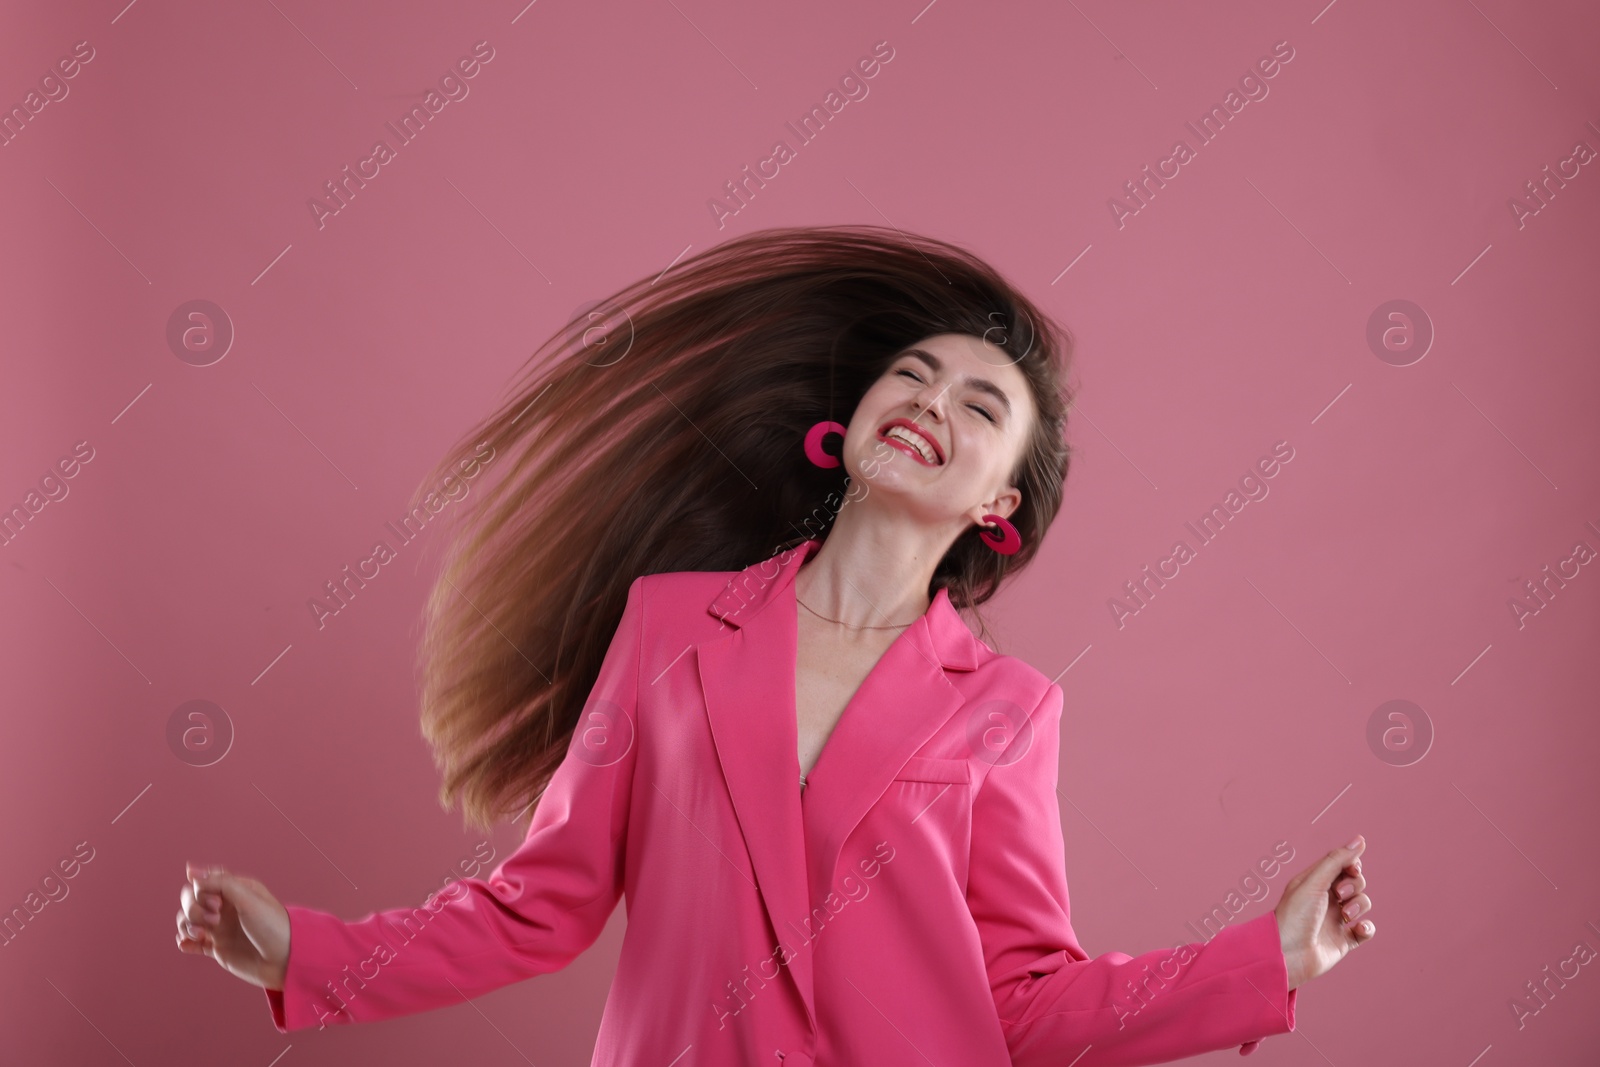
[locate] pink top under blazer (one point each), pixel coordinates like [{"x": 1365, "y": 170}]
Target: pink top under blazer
[{"x": 909, "y": 906}]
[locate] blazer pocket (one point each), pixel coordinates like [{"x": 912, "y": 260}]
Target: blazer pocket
[{"x": 930, "y": 769}]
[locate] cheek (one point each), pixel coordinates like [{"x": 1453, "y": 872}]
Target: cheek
[
  {"x": 871, "y": 408},
  {"x": 1019, "y": 452},
  {"x": 875, "y": 407},
  {"x": 1016, "y": 450},
  {"x": 990, "y": 458},
  {"x": 987, "y": 451}
]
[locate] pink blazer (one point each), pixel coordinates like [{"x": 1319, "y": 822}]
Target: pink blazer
[{"x": 909, "y": 907}]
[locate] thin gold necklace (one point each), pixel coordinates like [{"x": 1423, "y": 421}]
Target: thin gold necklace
[{"x": 841, "y": 622}]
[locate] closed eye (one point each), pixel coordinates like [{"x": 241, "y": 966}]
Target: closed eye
[{"x": 980, "y": 409}]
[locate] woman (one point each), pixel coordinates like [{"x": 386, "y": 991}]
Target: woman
[{"x": 719, "y": 647}]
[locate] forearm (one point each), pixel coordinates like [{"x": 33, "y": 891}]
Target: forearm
[
  {"x": 408, "y": 960},
  {"x": 1118, "y": 1011}
]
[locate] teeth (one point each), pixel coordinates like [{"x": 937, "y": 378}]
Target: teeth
[{"x": 900, "y": 433}]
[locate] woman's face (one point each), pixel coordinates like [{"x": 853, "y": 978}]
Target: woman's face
[{"x": 942, "y": 430}]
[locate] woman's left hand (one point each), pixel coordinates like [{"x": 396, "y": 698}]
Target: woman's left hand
[{"x": 1321, "y": 915}]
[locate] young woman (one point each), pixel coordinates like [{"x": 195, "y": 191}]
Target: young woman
[{"x": 707, "y": 620}]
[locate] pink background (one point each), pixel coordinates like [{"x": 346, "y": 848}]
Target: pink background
[{"x": 1228, "y": 314}]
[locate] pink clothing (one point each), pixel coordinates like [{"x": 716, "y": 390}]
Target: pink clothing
[{"x": 909, "y": 907}]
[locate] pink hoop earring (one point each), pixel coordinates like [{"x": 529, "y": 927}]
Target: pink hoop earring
[
  {"x": 1007, "y": 541},
  {"x": 814, "y": 450}
]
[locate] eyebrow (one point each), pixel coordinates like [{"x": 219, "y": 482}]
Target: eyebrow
[{"x": 981, "y": 384}]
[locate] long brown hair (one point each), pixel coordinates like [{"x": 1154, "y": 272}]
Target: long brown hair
[{"x": 662, "y": 430}]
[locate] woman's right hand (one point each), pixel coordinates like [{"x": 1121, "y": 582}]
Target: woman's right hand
[
  {"x": 1319, "y": 912},
  {"x": 237, "y": 922}
]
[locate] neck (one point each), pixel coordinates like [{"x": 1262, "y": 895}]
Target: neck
[{"x": 874, "y": 568}]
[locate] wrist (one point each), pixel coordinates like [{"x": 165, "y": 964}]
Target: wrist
[
  {"x": 1294, "y": 968},
  {"x": 1293, "y": 959}
]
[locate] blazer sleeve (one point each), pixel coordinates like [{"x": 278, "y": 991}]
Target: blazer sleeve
[
  {"x": 1056, "y": 1004},
  {"x": 534, "y": 914}
]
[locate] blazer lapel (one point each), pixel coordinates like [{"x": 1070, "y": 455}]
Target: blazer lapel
[{"x": 748, "y": 677}]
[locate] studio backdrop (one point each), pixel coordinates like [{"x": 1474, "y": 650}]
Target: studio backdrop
[{"x": 1326, "y": 562}]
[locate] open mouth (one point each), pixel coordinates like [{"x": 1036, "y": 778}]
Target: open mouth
[{"x": 913, "y": 440}]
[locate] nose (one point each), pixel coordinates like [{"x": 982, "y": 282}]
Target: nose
[{"x": 932, "y": 406}]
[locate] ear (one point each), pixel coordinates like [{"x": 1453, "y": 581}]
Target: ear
[{"x": 1008, "y": 500}]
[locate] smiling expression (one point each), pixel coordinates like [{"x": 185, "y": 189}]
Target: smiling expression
[{"x": 952, "y": 410}]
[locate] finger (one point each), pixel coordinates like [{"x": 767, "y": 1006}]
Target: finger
[
  {"x": 1353, "y": 909},
  {"x": 196, "y": 911},
  {"x": 1362, "y": 931},
  {"x": 1330, "y": 866},
  {"x": 190, "y": 928},
  {"x": 208, "y": 883},
  {"x": 1338, "y": 861},
  {"x": 190, "y": 932},
  {"x": 1345, "y": 888},
  {"x": 216, "y": 882},
  {"x": 215, "y": 885}
]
